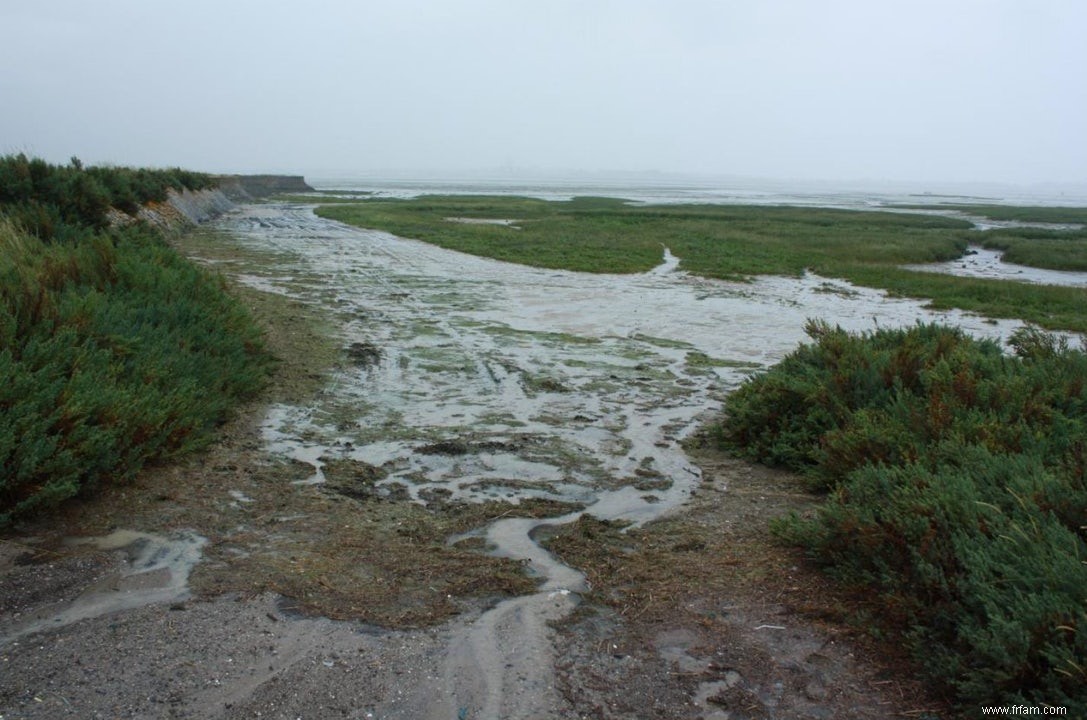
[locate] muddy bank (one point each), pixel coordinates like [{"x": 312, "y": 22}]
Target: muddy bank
[
  {"x": 698, "y": 616},
  {"x": 181, "y": 211},
  {"x": 704, "y": 615}
]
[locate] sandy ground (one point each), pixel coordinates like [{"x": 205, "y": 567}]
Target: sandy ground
[{"x": 472, "y": 491}]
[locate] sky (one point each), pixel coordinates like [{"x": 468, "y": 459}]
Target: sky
[{"x": 989, "y": 91}]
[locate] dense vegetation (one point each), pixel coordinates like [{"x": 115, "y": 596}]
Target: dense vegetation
[
  {"x": 736, "y": 242},
  {"x": 957, "y": 480},
  {"x": 63, "y": 201},
  {"x": 114, "y": 350}
]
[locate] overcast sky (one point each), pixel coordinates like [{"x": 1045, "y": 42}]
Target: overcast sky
[{"x": 926, "y": 90}]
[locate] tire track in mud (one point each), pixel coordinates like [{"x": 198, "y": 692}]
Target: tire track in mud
[{"x": 539, "y": 383}]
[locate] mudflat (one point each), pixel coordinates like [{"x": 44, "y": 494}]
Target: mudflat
[{"x": 473, "y": 490}]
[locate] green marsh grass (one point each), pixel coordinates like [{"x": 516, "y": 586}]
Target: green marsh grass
[
  {"x": 1050, "y": 248},
  {"x": 607, "y": 235},
  {"x": 1037, "y": 247},
  {"x": 867, "y": 248}
]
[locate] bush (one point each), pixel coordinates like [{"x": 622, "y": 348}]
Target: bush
[
  {"x": 957, "y": 491},
  {"x": 53, "y": 201},
  {"x": 114, "y": 350}
]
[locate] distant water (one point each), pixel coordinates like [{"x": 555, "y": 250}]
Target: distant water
[{"x": 702, "y": 191}]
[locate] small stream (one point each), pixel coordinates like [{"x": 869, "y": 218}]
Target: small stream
[
  {"x": 155, "y": 569},
  {"x": 981, "y": 262},
  {"x": 480, "y": 380}
]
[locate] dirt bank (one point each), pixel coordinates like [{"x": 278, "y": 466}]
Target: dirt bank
[{"x": 246, "y": 188}]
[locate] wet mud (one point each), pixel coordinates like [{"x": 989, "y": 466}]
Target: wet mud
[
  {"x": 147, "y": 569},
  {"x": 465, "y": 381},
  {"x": 477, "y": 380}
]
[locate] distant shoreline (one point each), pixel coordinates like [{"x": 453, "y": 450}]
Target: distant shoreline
[{"x": 703, "y": 190}]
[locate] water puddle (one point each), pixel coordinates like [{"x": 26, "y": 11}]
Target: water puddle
[
  {"x": 155, "y": 570},
  {"x": 484, "y": 380},
  {"x": 504, "y": 222}
]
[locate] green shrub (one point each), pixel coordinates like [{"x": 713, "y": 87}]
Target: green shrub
[
  {"x": 114, "y": 350},
  {"x": 57, "y": 201},
  {"x": 957, "y": 491}
]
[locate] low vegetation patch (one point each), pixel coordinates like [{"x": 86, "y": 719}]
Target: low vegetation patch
[
  {"x": 1027, "y": 213},
  {"x": 1053, "y": 248},
  {"x": 957, "y": 490},
  {"x": 1040, "y": 247},
  {"x": 737, "y": 242},
  {"x": 114, "y": 350},
  {"x": 609, "y": 235}
]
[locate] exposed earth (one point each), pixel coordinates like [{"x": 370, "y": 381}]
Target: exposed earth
[
  {"x": 700, "y": 615},
  {"x": 472, "y": 490}
]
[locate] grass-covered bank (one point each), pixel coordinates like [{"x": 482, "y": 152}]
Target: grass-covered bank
[
  {"x": 957, "y": 481},
  {"x": 114, "y": 350},
  {"x": 735, "y": 242}
]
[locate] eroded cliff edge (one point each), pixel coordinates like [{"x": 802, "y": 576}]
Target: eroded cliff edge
[
  {"x": 242, "y": 188},
  {"x": 185, "y": 208}
]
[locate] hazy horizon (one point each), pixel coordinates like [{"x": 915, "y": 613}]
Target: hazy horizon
[
  {"x": 573, "y": 177},
  {"x": 922, "y": 94}
]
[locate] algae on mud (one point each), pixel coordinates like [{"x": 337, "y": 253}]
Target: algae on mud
[{"x": 342, "y": 550}]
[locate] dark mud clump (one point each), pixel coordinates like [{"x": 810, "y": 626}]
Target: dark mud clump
[
  {"x": 364, "y": 354},
  {"x": 352, "y": 478},
  {"x": 445, "y": 447},
  {"x": 463, "y": 447}
]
